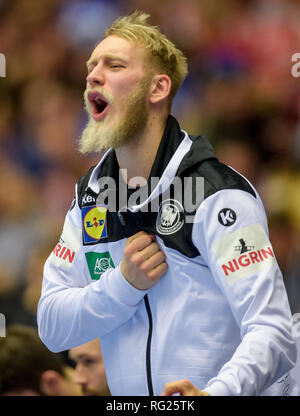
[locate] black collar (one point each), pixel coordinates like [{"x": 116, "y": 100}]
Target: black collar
[{"x": 200, "y": 150}]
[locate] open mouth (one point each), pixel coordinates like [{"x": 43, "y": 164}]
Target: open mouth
[{"x": 99, "y": 105}]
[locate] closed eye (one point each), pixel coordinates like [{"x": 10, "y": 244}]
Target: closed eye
[{"x": 116, "y": 66}]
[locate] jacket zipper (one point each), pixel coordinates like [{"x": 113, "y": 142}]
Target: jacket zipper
[{"x": 148, "y": 350}]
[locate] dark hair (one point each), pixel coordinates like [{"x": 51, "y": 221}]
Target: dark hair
[{"x": 24, "y": 358}]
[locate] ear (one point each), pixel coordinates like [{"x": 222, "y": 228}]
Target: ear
[
  {"x": 51, "y": 383},
  {"x": 160, "y": 88}
]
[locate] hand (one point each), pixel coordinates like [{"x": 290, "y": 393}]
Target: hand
[
  {"x": 143, "y": 262},
  {"x": 184, "y": 387}
]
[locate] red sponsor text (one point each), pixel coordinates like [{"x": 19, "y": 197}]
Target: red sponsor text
[
  {"x": 64, "y": 253},
  {"x": 247, "y": 259}
]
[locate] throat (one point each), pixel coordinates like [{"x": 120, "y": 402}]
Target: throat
[
  {"x": 135, "y": 163},
  {"x": 138, "y": 156}
]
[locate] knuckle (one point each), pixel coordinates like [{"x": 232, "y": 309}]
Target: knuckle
[
  {"x": 144, "y": 267},
  {"x": 136, "y": 258}
]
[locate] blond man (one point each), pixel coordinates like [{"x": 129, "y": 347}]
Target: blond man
[{"x": 164, "y": 254}]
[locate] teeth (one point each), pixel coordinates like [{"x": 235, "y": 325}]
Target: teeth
[{"x": 99, "y": 101}]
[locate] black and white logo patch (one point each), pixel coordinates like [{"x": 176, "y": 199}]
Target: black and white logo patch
[
  {"x": 227, "y": 217},
  {"x": 170, "y": 217},
  {"x": 88, "y": 200}
]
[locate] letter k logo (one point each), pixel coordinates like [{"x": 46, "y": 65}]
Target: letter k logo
[{"x": 227, "y": 217}]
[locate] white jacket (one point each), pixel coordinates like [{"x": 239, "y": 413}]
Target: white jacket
[{"x": 218, "y": 317}]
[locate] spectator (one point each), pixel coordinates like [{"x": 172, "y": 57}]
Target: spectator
[
  {"x": 28, "y": 368},
  {"x": 89, "y": 368}
]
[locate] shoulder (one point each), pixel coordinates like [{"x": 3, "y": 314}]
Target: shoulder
[
  {"x": 218, "y": 176},
  {"x": 201, "y": 161},
  {"x": 82, "y": 183}
]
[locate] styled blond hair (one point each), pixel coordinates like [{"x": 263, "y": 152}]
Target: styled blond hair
[{"x": 165, "y": 56}]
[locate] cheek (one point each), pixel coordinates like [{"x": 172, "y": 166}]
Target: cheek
[{"x": 124, "y": 85}]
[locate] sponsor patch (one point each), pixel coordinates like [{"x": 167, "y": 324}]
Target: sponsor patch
[
  {"x": 61, "y": 251},
  {"x": 88, "y": 199},
  {"x": 170, "y": 217},
  {"x": 244, "y": 252},
  {"x": 98, "y": 263},
  {"x": 227, "y": 217},
  {"x": 64, "y": 252},
  {"x": 94, "y": 224}
]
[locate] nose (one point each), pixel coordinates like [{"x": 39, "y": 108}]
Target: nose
[
  {"x": 95, "y": 77},
  {"x": 80, "y": 377}
]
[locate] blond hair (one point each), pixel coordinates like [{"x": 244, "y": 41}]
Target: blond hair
[{"x": 167, "y": 57}]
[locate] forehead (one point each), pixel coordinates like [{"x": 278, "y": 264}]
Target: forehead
[
  {"x": 86, "y": 349},
  {"x": 119, "y": 47}
]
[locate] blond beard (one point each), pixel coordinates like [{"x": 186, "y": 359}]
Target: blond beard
[{"x": 97, "y": 136}]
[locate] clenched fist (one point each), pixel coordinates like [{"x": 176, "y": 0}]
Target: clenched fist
[{"x": 143, "y": 262}]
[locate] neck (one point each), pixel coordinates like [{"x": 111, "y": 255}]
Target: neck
[{"x": 138, "y": 156}]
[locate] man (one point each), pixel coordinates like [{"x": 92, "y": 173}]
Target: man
[
  {"x": 28, "y": 368},
  {"x": 145, "y": 264},
  {"x": 89, "y": 368}
]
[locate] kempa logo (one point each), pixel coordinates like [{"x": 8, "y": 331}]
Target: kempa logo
[
  {"x": 2, "y": 326},
  {"x": 2, "y": 65},
  {"x": 227, "y": 217},
  {"x": 98, "y": 263}
]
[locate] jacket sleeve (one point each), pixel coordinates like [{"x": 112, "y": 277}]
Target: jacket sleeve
[
  {"x": 230, "y": 231},
  {"x": 73, "y": 309}
]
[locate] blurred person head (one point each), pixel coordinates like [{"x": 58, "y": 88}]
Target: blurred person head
[
  {"x": 18, "y": 192},
  {"x": 89, "y": 368},
  {"x": 28, "y": 368},
  {"x": 240, "y": 155},
  {"x": 53, "y": 122},
  {"x": 285, "y": 239},
  {"x": 19, "y": 207},
  {"x": 133, "y": 76}
]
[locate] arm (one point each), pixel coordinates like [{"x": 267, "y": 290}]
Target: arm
[
  {"x": 73, "y": 310},
  {"x": 253, "y": 286}
]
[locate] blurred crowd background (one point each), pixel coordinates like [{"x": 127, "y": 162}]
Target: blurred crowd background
[{"x": 240, "y": 93}]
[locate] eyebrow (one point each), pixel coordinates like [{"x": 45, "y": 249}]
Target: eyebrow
[
  {"x": 106, "y": 57},
  {"x": 79, "y": 357}
]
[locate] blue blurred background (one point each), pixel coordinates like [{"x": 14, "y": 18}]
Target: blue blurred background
[{"x": 240, "y": 94}]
